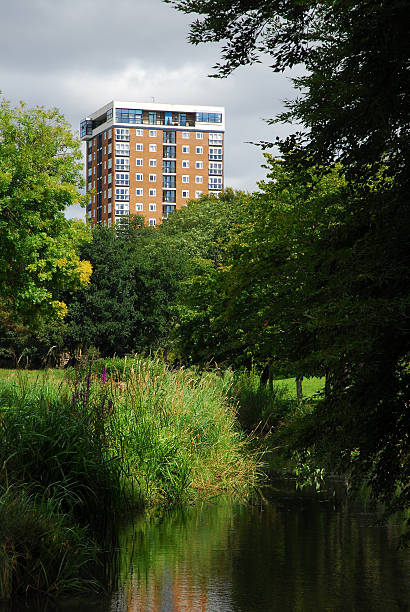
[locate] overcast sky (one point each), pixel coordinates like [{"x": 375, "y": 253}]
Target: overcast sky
[{"x": 78, "y": 55}]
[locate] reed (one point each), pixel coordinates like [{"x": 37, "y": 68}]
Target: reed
[
  {"x": 76, "y": 457},
  {"x": 41, "y": 549},
  {"x": 177, "y": 433}
]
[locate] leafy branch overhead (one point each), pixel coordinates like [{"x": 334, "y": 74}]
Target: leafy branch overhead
[{"x": 327, "y": 266}]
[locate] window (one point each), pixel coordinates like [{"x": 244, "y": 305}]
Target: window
[
  {"x": 185, "y": 149},
  {"x": 185, "y": 134},
  {"x": 121, "y": 208},
  {"x": 139, "y": 146},
  {"x": 152, "y": 118},
  {"x": 185, "y": 194},
  {"x": 122, "y": 148},
  {"x": 215, "y": 182},
  {"x": 139, "y": 177},
  {"x": 109, "y": 149},
  {"x": 139, "y": 191},
  {"x": 153, "y": 163},
  {"x": 209, "y": 117},
  {"x": 182, "y": 118},
  {"x": 199, "y": 135},
  {"x": 152, "y": 192},
  {"x": 168, "y": 118},
  {"x": 199, "y": 150},
  {"x": 110, "y": 178},
  {"x": 215, "y": 138},
  {"x": 152, "y": 222},
  {"x": 122, "y": 134},
  {"x": 109, "y": 163},
  {"x": 122, "y": 178},
  {"x": 169, "y": 151},
  {"x": 122, "y": 193},
  {"x": 139, "y": 132},
  {"x": 139, "y": 207},
  {"x": 128, "y": 115},
  {"x": 169, "y": 181},
  {"x": 139, "y": 161},
  {"x": 109, "y": 193},
  {"x": 198, "y": 194},
  {"x": 215, "y": 168},
  {"x": 152, "y": 133},
  {"x": 169, "y": 196},
  {"x": 185, "y": 178},
  {"x": 185, "y": 163},
  {"x": 152, "y": 148},
  {"x": 215, "y": 153},
  {"x": 199, "y": 165},
  {"x": 109, "y": 114},
  {"x": 199, "y": 179},
  {"x": 152, "y": 178},
  {"x": 167, "y": 209},
  {"x": 152, "y": 207},
  {"x": 122, "y": 164},
  {"x": 169, "y": 136},
  {"x": 168, "y": 167}
]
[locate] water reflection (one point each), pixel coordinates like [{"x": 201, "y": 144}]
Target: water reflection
[{"x": 295, "y": 553}]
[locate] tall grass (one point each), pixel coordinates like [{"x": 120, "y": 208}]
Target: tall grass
[
  {"x": 177, "y": 433},
  {"x": 76, "y": 458},
  {"x": 41, "y": 550},
  {"x": 260, "y": 408}
]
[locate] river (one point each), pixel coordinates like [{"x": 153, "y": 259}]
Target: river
[{"x": 289, "y": 551}]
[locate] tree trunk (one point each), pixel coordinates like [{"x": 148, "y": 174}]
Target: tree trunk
[
  {"x": 299, "y": 393},
  {"x": 270, "y": 377}
]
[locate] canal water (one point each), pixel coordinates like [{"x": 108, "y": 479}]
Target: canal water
[{"x": 289, "y": 551}]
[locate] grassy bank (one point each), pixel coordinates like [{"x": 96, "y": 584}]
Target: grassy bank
[{"x": 117, "y": 437}]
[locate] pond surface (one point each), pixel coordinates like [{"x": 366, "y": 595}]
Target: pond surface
[{"x": 296, "y": 552}]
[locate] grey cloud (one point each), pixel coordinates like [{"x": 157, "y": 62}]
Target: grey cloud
[{"x": 79, "y": 54}]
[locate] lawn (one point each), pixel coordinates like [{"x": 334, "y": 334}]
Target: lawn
[{"x": 310, "y": 386}]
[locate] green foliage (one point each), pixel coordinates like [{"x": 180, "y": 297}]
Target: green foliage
[
  {"x": 328, "y": 270},
  {"x": 126, "y": 307},
  {"x": 73, "y": 460},
  {"x": 174, "y": 430},
  {"x": 260, "y": 408},
  {"x": 40, "y": 174},
  {"x": 41, "y": 550},
  {"x": 50, "y": 443}
]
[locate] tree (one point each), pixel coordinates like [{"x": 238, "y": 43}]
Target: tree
[
  {"x": 128, "y": 304},
  {"x": 354, "y": 110},
  {"x": 40, "y": 174},
  {"x": 202, "y": 333}
]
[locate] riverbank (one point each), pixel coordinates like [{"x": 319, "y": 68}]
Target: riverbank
[{"x": 118, "y": 437}]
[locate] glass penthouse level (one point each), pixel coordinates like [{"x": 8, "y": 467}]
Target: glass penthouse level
[{"x": 151, "y": 159}]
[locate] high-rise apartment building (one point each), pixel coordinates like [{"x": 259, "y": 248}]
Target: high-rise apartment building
[{"x": 150, "y": 159}]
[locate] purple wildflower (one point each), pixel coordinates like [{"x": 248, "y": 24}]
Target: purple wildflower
[{"x": 104, "y": 375}]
